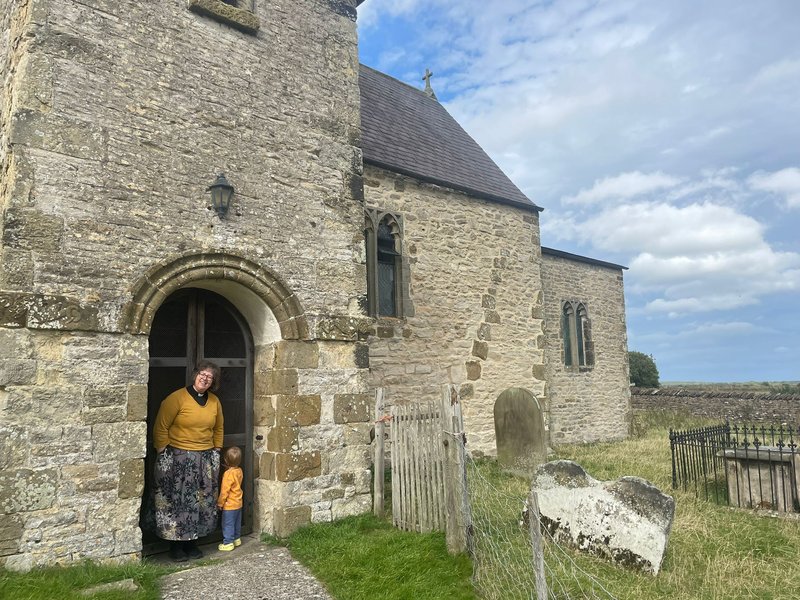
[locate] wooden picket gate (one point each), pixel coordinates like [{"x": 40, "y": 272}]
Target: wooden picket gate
[{"x": 428, "y": 468}]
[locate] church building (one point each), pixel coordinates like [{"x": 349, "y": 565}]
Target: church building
[{"x": 190, "y": 180}]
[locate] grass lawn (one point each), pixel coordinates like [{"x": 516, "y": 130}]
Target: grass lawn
[
  {"x": 714, "y": 552},
  {"x": 366, "y": 558},
  {"x": 66, "y": 583}
]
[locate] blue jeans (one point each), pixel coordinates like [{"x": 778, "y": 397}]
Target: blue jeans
[{"x": 231, "y": 525}]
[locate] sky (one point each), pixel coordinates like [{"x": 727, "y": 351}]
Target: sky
[{"x": 663, "y": 136}]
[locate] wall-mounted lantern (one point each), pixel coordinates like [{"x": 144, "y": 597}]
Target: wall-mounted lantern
[{"x": 221, "y": 195}]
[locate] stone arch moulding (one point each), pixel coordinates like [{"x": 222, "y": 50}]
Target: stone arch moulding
[{"x": 162, "y": 280}]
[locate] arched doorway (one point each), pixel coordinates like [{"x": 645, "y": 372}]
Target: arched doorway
[{"x": 192, "y": 325}]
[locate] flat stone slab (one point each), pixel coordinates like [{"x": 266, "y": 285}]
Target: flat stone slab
[
  {"x": 627, "y": 521},
  {"x": 259, "y": 572}
]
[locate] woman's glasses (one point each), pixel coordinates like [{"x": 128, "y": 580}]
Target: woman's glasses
[{"x": 205, "y": 376}]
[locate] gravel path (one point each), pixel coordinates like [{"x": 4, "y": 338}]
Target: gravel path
[{"x": 254, "y": 571}]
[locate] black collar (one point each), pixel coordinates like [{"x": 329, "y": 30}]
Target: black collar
[{"x": 201, "y": 399}]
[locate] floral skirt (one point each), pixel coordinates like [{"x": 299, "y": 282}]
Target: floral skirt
[{"x": 186, "y": 486}]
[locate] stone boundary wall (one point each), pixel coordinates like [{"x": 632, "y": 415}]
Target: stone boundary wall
[{"x": 727, "y": 404}]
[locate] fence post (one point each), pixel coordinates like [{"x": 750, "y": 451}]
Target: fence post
[
  {"x": 458, "y": 523},
  {"x": 536, "y": 546},
  {"x": 378, "y": 462}
]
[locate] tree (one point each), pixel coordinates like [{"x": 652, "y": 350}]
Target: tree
[{"x": 644, "y": 372}]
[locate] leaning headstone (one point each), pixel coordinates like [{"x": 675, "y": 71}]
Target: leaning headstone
[
  {"x": 627, "y": 521},
  {"x": 519, "y": 431}
]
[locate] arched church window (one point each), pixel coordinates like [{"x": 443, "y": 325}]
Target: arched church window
[
  {"x": 576, "y": 335},
  {"x": 383, "y": 238}
]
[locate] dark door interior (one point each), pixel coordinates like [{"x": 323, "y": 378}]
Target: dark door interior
[{"x": 194, "y": 325}]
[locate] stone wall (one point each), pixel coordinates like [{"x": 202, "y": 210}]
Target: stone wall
[
  {"x": 723, "y": 405},
  {"x": 117, "y": 115},
  {"x": 474, "y": 281},
  {"x": 586, "y": 403}
]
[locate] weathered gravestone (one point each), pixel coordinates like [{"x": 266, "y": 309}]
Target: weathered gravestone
[
  {"x": 627, "y": 521},
  {"x": 519, "y": 430}
]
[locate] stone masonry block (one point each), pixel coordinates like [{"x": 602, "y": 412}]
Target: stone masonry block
[
  {"x": 473, "y": 369},
  {"x": 291, "y": 411},
  {"x": 266, "y": 466},
  {"x": 282, "y": 439},
  {"x": 297, "y": 465},
  {"x": 26, "y": 490},
  {"x": 480, "y": 349},
  {"x": 288, "y": 520},
  {"x": 131, "y": 478},
  {"x": 95, "y": 397},
  {"x": 137, "y": 402},
  {"x": 10, "y": 534},
  {"x": 357, "y": 433},
  {"x": 14, "y": 446},
  {"x": 278, "y": 381},
  {"x": 491, "y": 316},
  {"x": 119, "y": 441},
  {"x": 352, "y": 408},
  {"x": 17, "y": 372},
  {"x": 263, "y": 411},
  {"x": 539, "y": 372},
  {"x": 296, "y": 354}
]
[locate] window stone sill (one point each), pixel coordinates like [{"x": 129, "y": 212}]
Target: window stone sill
[{"x": 239, "y": 18}]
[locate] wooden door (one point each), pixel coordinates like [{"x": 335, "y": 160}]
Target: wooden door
[{"x": 190, "y": 326}]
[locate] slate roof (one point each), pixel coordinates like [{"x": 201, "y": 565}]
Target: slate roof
[
  {"x": 583, "y": 259},
  {"x": 406, "y": 131}
]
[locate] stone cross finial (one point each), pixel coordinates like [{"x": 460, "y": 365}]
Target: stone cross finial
[{"x": 427, "y": 80}]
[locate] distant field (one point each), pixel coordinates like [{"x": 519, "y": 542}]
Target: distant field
[{"x": 750, "y": 386}]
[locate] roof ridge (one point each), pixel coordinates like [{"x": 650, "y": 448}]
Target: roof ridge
[{"x": 400, "y": 81}]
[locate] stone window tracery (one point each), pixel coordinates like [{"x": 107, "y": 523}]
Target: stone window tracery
[
  {"x": 385, "y": 281},
  {"x": 576, "y": 335},
  {"x": 240, "y": 14}
]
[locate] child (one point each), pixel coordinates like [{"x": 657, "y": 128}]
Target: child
[{"x": 230, "y": 500}]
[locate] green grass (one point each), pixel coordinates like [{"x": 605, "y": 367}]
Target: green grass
[
  {"x": 65, "y": 583},
  {"x": 714, "y": 552},
  {"x": 365, "y": 558}
]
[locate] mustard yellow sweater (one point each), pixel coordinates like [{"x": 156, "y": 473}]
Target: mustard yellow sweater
[{"x": 182, "y": 423}]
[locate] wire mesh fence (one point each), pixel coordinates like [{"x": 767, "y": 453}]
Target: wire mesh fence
[{"x": 503, "y": 553}]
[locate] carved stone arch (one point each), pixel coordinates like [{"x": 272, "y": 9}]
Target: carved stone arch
[
  {"x": 159, "y": 282},
  {"x": 374, "y": 220}
]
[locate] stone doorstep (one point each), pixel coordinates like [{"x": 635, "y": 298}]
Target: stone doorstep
[{"x": 250, "y": 544}]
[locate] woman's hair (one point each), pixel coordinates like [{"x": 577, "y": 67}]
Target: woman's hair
[
  {"x": 233, "y": 456},
  {"x": 207, "y": 365}
]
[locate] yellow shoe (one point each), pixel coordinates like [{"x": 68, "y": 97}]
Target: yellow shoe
[
  {"x": 237, "y": 542},
  {"x": 225, "y": 547}
]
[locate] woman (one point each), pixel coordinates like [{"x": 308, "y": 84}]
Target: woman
[{"x": 187, "y": 435}]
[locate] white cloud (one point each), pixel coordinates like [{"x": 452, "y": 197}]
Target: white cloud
[
  {"x": 662, "y": 230},
  {"x": 623, "y": 186},
  {"x": 371, "y": 12},
  {"x": 785, "y": 182},
  {"x": 778, "y": 72},
  {"x": 656, "y": 135}
]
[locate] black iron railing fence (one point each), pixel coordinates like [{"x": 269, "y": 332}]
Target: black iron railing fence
[{"x": 752, "y": 466}]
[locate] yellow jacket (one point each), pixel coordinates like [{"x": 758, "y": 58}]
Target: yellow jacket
[{"x": 230, "y": 494}]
